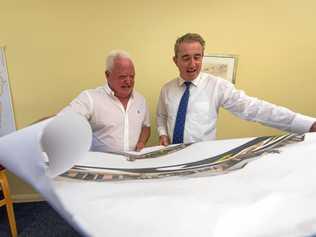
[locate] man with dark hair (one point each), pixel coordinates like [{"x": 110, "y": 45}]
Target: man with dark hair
[{"x": 188, "y": 105}]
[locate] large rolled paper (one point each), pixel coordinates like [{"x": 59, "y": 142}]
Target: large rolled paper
[
  {"x": 66, "y": 140},
  {"x": 63, "y": 140},
  {"x": 21, "y": 153},
  {"x": 278, "y": 190}
]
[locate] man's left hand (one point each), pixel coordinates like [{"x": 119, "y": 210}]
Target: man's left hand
[{"x": 139, "y": 146}]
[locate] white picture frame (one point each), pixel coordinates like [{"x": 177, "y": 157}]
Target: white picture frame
[
  {"x": 221, "y": 65},
  {"x": 7, "y": 121}
]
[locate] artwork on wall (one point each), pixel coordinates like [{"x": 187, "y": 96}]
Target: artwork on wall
[
  {"x": 221, "y": 65},
  {"x": 7, "y": 122}
]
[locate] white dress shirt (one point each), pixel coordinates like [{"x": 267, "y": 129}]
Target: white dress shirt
[
  {"x": 207, "y": 94},
  {"x": 113, "y": 127}
]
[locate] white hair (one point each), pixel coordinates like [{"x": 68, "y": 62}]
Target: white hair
[{"x": 114, "y": 54}]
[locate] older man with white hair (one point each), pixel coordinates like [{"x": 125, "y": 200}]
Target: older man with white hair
[{"x": 118, "y": 114}]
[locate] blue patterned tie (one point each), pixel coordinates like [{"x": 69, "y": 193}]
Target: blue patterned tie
[{"x": 182, "y": 111}]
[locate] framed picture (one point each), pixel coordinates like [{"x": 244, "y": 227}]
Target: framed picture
[{"x": 221, "y": 65}]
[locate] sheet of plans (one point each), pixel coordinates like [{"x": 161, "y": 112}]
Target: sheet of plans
[{"x": 260, "y": 186}]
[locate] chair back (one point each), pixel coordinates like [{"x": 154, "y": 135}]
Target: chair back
[{"x": 6, "y": 201}]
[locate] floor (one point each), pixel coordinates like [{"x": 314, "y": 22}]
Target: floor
[{"x": 36, "y": 219}]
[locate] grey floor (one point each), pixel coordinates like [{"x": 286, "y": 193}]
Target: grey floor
[{"x": 36, "y": 219}]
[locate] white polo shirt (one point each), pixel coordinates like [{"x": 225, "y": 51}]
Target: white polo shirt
[
  {"x": 207, "y": 94},
  {"x": 113, "y": 127}
]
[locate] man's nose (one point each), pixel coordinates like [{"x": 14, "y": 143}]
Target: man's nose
[
  {"x": 129, "y": 80},
  {"x": 192, "y": 61}
]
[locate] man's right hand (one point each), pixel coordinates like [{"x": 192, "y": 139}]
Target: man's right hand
[{"x": 164, "y": 140}]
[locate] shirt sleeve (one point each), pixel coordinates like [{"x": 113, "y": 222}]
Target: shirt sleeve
[
  {"x": 253, "y": 109},
  {"x": 162, "y": 115},
  {"x": 146, "y": 122},
  {"x": 82, "y": 104}
]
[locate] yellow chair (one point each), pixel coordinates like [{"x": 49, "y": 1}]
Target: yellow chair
[{"x": 7, "y": 201}]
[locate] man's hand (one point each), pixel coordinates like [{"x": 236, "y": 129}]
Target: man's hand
[
  {"x": 139, "y": 146},
  {"x": 164, "y": 140},
  {"x": 313, "y": 128},
  {"x": 143, "y": 138}
]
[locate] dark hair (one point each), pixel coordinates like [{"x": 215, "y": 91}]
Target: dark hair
[{"x": 188, "y": 37}]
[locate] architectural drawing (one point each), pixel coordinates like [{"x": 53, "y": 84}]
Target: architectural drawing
[{"x": 235, "y": 158}]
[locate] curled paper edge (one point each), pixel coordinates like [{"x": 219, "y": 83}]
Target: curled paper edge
[{"x": 65, "y": 140}]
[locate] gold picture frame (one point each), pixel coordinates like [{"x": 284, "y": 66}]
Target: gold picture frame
[{"x": 221, "y": 65}]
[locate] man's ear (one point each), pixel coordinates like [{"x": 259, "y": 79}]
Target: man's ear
[
  {"x": 175, "y": 59},
  {"x": 107, "y": 74}
]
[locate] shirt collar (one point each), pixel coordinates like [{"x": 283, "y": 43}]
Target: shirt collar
[{"x": 194, "y": 82}]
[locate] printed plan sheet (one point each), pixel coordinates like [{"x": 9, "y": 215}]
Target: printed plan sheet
[{"x": 203, "y": 189}]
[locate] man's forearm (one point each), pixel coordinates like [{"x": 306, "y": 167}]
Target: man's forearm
[
  {"x": 143, "y": 138},
  {"x": 144, "y": 135}
]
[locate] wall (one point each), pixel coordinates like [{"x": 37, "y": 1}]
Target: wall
[{"x": 55, "y": 49}]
